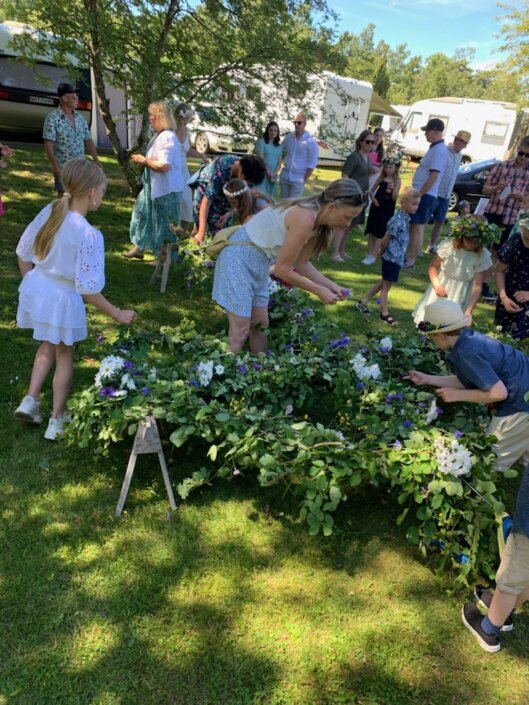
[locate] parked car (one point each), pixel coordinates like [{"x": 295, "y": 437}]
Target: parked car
[
  {"x": 470, "y": 181},
  {"x": 210, "y": 132}
]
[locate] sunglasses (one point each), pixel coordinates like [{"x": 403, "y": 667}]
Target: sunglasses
[
  {"x": 521, "y": 153},
  {"x": 369, "y": 141},
  {"x": 299, "y": 122}
]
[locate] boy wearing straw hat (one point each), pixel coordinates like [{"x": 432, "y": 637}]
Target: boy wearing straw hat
[{"x": 486, "y": 372}]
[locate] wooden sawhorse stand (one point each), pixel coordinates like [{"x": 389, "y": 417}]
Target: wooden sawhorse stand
[
  {"x": 164, "y": 265},
  {"x": 147, "y": 440}
]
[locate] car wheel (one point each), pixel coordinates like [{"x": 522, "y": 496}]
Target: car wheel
[
  {"x": 202, "y": 142},
  {"x": 454, "y": 200}
]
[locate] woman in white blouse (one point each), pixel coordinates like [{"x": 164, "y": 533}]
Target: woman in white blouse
[{"x": 158, "y": 203}]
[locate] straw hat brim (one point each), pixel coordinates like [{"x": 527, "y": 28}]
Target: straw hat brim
[{"x": 463, "y": 323}]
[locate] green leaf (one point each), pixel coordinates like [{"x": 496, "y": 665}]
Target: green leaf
[
  {"x": 436, "y": 501},
  {"x": 453, "y": 488},
  {"x": 212, "y": 452},
  {"x": 498, "y": 507},
  {"x": 335, "y": 494}
]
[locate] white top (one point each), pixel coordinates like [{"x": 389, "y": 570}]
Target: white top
[
  {"x": 434, "y": 160},
  {"x": 166, "y": 148},
  {"x": 299, "y": 154},
  {"x": 77, "y": 253},
  {"x": 448, "y": 178},
  {"x": 267, "y": 229}
]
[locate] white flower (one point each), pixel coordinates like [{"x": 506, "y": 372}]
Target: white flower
[
  {"x": 273, "y": 286},
  {"x": 362, "y": 369},
  {"x": 120, "y": 393},
  {"x": 205, "y": 372},
  {"x": 152, "y": 375},
  {"x": 386, "y": 343},
  {"x": 127, "y": 382},
  {"x": 219, "y": 369},
  {"x": 452, "y": 458},
  {"x": 432, "y": 412},
  {"x": 289, "y": 409},
  {"x": 108, "y": 367}
]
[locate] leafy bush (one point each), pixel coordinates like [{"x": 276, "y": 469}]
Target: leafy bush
[{"x": 323, "y": 415}]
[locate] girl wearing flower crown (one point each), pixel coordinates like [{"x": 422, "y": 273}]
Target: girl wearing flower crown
[
  {"x": 384, "y": 194},
  {"x": 461, "y": 265},
  {"x": 62, "y": 261},
  {"x": 512, "y": 281}
]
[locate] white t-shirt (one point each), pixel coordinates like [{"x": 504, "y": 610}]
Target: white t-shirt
[{"x": 434, "y": 160}]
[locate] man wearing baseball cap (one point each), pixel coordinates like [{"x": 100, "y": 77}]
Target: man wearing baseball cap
[
  {"x": 66, "y": 134},
  {"x": 426, "y": 180},
  {"x": 446, "y": 184}
]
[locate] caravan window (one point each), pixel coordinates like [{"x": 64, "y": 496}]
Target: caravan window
[
  {"x": 44, "y": 78},
  {"x": 414, "y": 122},
  {"x": 494, "y": 133},
  {"x": 444, "y": 118}
]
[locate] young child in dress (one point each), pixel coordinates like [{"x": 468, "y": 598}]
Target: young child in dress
[
  {"x": 463, "y": 209},
  {"x": 62, "y": 260},
  {"x": 384, "y": 194},
  {"x": 460, "y": 267},
  {"x": 394, "y": 246}
]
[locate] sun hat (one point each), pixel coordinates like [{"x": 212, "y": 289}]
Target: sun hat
[
  {"x": 463, "y": 135},
  {"x": 443, "y": 316},
  {"x": 434, "y": 124},
  {"x": 523, "y": 219}
]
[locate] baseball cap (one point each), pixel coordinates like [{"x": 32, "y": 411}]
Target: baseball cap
[
  {"x": 434, "y": 124},
  {"x": 64, "y": 88}
]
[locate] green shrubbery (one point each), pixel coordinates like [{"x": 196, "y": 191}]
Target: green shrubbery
[{"x": 322, "y": 414}]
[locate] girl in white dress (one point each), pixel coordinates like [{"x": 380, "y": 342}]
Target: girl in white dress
[
  {"x": 183, "y": 114},
  {"x": 62, "y": 260}
]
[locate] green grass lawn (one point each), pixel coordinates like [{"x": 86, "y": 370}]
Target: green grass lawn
[{"x": 228, "y": 601}]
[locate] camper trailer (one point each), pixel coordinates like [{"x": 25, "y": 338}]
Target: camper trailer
[{"x": 495, "y": 126}]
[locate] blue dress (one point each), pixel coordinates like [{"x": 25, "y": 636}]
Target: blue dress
[{"x": 272, "y": 159}]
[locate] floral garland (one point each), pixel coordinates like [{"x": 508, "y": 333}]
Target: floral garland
[
  {"x": 480, "y": 230},
  {"x": 234, "y": 194},
  {"x": 395, "y": 158}
]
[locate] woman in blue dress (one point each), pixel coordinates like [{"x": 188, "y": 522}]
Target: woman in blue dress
[{"x": 269, "y": 148}]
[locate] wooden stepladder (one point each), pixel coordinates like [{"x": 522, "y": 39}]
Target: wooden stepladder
[{"x": 147, "y": 440}]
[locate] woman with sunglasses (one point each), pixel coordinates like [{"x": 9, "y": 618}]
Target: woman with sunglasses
[
  {"x": 290, "y": 232},
  {"x": 357, "y": 166},
  {"x": 506, "y": 184}
]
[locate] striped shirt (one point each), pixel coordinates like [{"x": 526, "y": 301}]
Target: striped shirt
[{"x": 518, "y": 180}]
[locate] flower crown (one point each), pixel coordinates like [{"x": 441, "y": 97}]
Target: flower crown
[
  {"x": 234, "y": 194},
  {"x": 394, "y": 158},
  {"x": 479, "y": 230}
]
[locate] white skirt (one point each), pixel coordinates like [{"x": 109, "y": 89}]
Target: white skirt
[{"x": 52, "y": 308}]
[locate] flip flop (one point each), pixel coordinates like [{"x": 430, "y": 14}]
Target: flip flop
[
  {"x": 388, "y": 318},
  {"x": 361, "y": 306}
]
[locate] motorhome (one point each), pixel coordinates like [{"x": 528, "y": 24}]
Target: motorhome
[{"x": 495, "y": 126}]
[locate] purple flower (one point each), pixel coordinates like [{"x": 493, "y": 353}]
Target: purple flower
[
  {"x": 272, "y": 301},
  {"x": 193, "y": 383},
  {"x": 137, "y": 372},
  {"x": 440, "y": 411},
  {"x": 360, "y": 385},
  {"x": 378, "y": 300},
  {"x": 314, "y": 337},
  {"x": 407, "y": 424},
  {"x": 307, "y": 313},
  {"x": 383, "y": 349},
  {"x": 269, "y": 353},
  {"x": 107, "y": 392},
  {"x": 397, "y": 445},
  {"x": 390, "y": 398},
  {"x": 208, "y": 264},
  {"x": 399, "y": 396},
  {"x": 100, "y": 338},
  {"x": 421, "y": 404},
  {"x": 195, "y": 367},
  {"x": 458, "y": 434},
  {"x": 145, "y": 391},
  {"x": 242, "y": 369},
  {"x": 288, "y": 347},
  {"x": 256, "y": 366},
  {"x": 127, "y": 365},
  {"x": 346, "y": 292},
  {"x": 364, "y": 350}
]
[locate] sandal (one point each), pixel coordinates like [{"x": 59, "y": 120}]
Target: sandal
[
  {"x": 361, "y": 306},
  {"x": 388, "y": 318}
]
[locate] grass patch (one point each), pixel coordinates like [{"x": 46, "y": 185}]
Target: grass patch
[{"x": 228, "y": 601}]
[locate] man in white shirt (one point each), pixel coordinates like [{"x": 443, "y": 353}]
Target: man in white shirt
[
  {"x": 300, "y": 158},
  {"x": 446, "y": 185},
  {"x": 426, "y": 180}
]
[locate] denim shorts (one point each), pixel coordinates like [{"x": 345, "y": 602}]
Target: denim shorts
[
  {"x": 440, "y": 209},
  {"x": 424, "y": 211}
]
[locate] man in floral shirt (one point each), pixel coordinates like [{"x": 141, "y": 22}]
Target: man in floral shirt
[{"x": 66, "y": 134}]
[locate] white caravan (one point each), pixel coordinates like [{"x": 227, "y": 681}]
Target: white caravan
[{"x": 495, "y": 126}]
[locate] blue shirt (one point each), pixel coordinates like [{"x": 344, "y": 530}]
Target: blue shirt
[
  {"x": 398, "y": 229},
  {"x": 520, "y": 524},
  {"x": 480, "y": 362},
  {"x": 69, "y": 140},
  {"x": 299, "y": 154}
]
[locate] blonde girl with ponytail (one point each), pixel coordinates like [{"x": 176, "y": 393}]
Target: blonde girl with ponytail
[{"x": 61, "y": 259}]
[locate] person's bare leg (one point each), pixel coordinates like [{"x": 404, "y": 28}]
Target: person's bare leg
[
  {"x": 62, "y": 379},
  {"x": 239, "y": 329},
  {"x": 434, "y": 234},
  {"x": 373, "y": 291},
  {"x": 44, "y": 359},
  {"x": 337, "y": 239},
  {"x": 415, "y": 244},
  {"x": 343, "y": 245},
  {"x": 372, "y": 245},
  {"x": 258, "y": 327},
  {"x": 503, "y": 604},
  {"x": 384, "y": 290}
]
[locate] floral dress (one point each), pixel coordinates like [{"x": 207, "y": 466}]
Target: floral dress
[
  {"x": 516, "y": 255},
  {"x": 209, "y": 184},
  {"x": 456, "y": 273}
]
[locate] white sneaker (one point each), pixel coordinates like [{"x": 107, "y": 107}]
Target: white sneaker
[
  {"x": 369, "y": 260},
  {"x": 29, "y": 410},
  {"x": 55, "y": 429}
]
